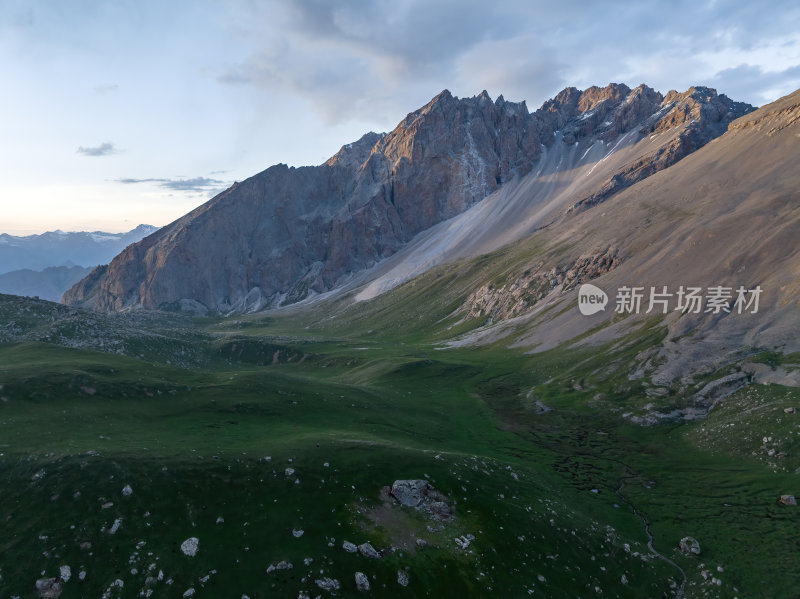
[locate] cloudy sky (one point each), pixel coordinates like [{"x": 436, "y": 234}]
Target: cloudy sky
[{"x": 119, "y": 113}]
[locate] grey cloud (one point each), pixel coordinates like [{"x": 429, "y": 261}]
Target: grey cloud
[
  {"x": 356, "y": 60},
  {"x": 104, "y": 149},
  {"x": 131, "y": 181},
  {"x": 234, "y": 76},
  {"x": 106, "y": 89},
  {"x": 741, "y": 81},
  {"x": 194, "y": 184}
]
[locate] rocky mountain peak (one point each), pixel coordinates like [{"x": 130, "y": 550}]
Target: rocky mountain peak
[
  {"x": 288, "y": 233},
  {"x": 356, "y": 153},
  {"x": 591, "y": 97},
  {"x": 700, "y": 105}
]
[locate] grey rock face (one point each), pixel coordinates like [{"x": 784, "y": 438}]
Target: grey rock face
[
  {"x": 788, "y": 500},
  {"x": 287, "y": 232}
]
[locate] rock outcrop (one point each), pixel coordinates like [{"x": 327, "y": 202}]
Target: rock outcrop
[
  {"x": 410, "y": 492},
  {"x": 520, "y": 295}
]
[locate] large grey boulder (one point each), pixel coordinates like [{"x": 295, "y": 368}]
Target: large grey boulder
[
  {"x": 49, "y": 587},
  {"x": 367, "y": 550},
  {"x": 410, "y": 492},
  {"x": 190, "y": 546},
  {"x": 349, "y": 547},
  {"x": 362, "y": 582}
]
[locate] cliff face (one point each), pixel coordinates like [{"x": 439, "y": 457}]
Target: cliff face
[{"x": 287, "y": 232}]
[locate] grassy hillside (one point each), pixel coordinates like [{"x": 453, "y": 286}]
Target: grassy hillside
[{"x": 531, "y": 453}]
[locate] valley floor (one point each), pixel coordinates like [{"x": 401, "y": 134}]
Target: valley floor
[{"x": 271, "y": 447}]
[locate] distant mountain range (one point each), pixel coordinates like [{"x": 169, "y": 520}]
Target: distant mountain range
[
  {"x": 57, "y": 248},
  {"x": 46, "y": 265},
  {"x": 49, "y": 284},
  {"x": 287, "y": 234}
]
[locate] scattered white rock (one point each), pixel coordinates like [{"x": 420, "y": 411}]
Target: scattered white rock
[
  {"x": 65, "y": 573},
  {"x": 288, "y": 472},
  {"x": 281, "y": 565},
  {"x": 115, "y": 527},
  {"x": 402, "y": 578},
  {"x": 464, "y": 541},
  {"x": 328, "y": 584},
  {"x": 188, "y": 593},
  {"x": 190, "y": 546},
  {"x": 82, "y": 575},
  {"x": 788, "y": 500},
  {"x": 127, "y": 491},
  {"x": 297, "y": 532},
  {"x": 220, "y": 520}
]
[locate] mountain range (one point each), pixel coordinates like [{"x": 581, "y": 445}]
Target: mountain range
[
  {"x": 626, "y": 188},
  {"x": 49, "y": 283},
  {"x": 48, "y": 264},
  {"x": 60, "y": 248},
  {"x": 485, "y": 172}
]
